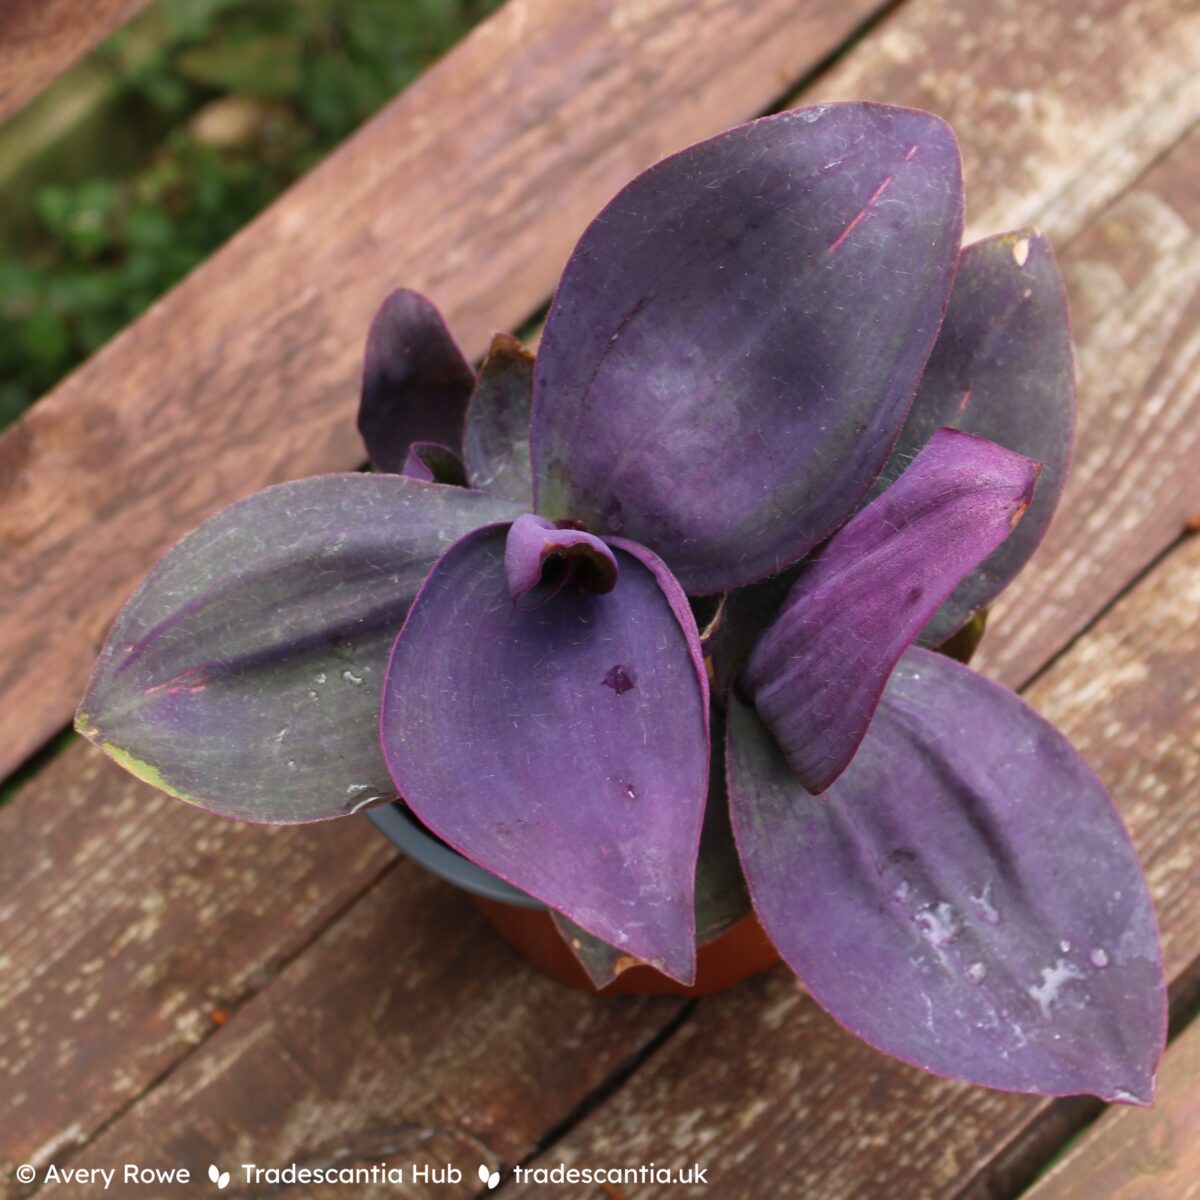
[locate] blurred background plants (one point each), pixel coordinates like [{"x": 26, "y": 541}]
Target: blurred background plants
[{"x": 139, "y": 162}]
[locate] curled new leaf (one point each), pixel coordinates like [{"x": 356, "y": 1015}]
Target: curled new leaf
[
  {"x": 416, "y": 383},
  {"x": 244, "y": 674},
  {"x": 737, "y": 337},
  {"x": 434, "y": 464},
  {"x": 565, "y": 749},
  {"x": 816, "y": 675},
  {"x": 965, "y": 896}
]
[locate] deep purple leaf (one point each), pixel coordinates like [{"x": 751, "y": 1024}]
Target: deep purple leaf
[
  {"x": 816, "y": 675},
  {"x": 1002, "y": 368},
  {"x": 738, "y": 335},
  {"x": 541, "y": 559},
  {"x": 496, "y": 443},
  {"x": 416, "y": 383},
  {"x": 721, "y": 897},
  {"x": 965, "y": 897},
  {"x": 432, "y": 463},
  {"x": 244, "y": 674},
  {"x": 565, "y": 749}
]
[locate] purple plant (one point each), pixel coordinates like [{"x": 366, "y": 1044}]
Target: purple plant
[{"x": 769, "y": 378}]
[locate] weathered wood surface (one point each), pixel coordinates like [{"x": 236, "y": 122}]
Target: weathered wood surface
[
  {"x": 472, "y": 186},
  {"x": 39, "y": 39},
  {"x": 408, "y": 1032},
  {"x": 1057, "y": 108},
  {"x": 127, "y": 920},
  {"x": 297, "y": 1070},
  {"x": 764, "y": 1089},
  {"x": 1138, "y": 1155}
]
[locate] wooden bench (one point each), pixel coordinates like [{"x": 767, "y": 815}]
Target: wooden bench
[{"x": 178, "y": 990}]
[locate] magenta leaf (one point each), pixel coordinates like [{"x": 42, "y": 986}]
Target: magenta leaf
[
  {"x": 721, "y": 897},
  {"x": 416, "y": 383},
  {"x": 565, "y": 749},
  {"x": 244, "y": 674},
  {"x": 434, "y": 464},
  {"x": 965, "y": 896},
  {"x": 817, "y": 674},
  {"x": 737, "y": 337},
  {"x": 496, "y": 443},
  {"x": 1002, "y": 368}
]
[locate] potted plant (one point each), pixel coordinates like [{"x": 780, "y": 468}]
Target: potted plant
[{"x": 674, "y": 604}]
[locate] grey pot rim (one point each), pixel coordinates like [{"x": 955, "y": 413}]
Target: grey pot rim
[{"x": 401, "y": 827}]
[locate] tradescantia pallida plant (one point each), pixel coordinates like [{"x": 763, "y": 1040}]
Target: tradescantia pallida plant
[{"x": 770, "y": 378}]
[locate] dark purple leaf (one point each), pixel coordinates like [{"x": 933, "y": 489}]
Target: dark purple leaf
[
  {"x": 542, "y": 559},
  {"x": 564, "y": 749},
  {"x": 721, "y": 897},
  {"x": 416, "y": 383},
  {"x": 244, "y": 674},
  {"x": 496, "y": 444},
  {"x": 1002, "y": 368},
  {"x": 737, "y": 337},
  {"x": 816, "y": 675},
  {"x": 965, "y": 897},
  {"x": 745, "y": 614},
  {"x": 432, "y": 463}
]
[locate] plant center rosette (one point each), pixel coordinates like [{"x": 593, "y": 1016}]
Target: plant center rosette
[{"x": 772, "y": 387}]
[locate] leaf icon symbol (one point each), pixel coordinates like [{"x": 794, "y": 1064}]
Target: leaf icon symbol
[
  {"x": 491, "y": 1178},
  {"x": 219, "y": 1177}
]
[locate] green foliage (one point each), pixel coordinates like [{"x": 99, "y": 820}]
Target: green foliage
[{"x": 251, "y": 94}]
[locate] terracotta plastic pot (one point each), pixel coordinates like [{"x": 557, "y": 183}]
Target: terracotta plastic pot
[{"x": 741, "y": 951}]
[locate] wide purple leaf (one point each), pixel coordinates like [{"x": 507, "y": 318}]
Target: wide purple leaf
[
  {"x": 244, "y": 674},
  {"x": 965, "y": 897},
  {"x": 565, "y": 749},
  {"x": 737, "y": 337},
  {"x": 816, "y": 675},
  {"x": 496, "y": 443},
  {"x": 1002, "y": 367},
  {"x": 416, "y": 383},
  {"x": 721, "y": 897}
]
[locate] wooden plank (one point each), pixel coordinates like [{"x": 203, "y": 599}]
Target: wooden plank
[
  {"x": 408, "y": 1033},
  {"x": 1134, "y": 1154},
  {"x": 1056, "y": 106},
  {"x": 1134, "y": 283},
  {"x": 516, "y": 1032},
  {"x": 766, "y": 1091},
  {"x": 130, "y": 924},
  {"x": 1057, "y": 110},
  {"x": 39, "y": 39},
  {"x": 471, "y": 186}
]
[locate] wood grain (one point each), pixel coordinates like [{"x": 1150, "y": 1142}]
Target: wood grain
[
  {"x": 39, "y": 39},
  {"x": 1058, "y": 108},
  {"x": 1135, "y": 1154},
  {"x": 1134, "y": 283},
  {"x": 472, "y": 186},
  {"x": 764, "y": 1089},
  {"x": 408, "y": 1032},
  {"x": 130, "y": 924}
]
